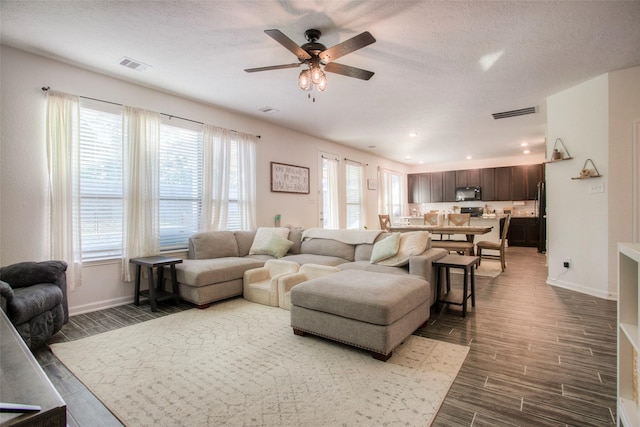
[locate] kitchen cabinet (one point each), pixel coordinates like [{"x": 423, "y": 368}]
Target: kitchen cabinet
[
  {"x": 468, "y": 178},
  {"x": 503, "y": 184},
  {"x": 488, "y": 183},
  {"x": 524, "y": 181},
  {"x": 449, "y": 186},
  {"x": 437, "y": 187},
  {"x": 419, "y": 188},
  {"x": 523, "y": 232},
  {"x": 498, "y": 184}
]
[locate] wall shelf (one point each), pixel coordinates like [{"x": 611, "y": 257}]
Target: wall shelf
[
  {"x": 560, "y": 147},
  {"x": 590, "y": 173}
]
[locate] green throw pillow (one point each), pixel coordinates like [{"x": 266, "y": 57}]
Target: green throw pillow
[
  {"x": 385, "y": 248},
  {"x": 277, "y": 246}
]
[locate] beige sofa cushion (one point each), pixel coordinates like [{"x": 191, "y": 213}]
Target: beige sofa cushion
[
  {"x": 245, "y": 240},
  {"x": 328, "y": 247},
  {"x": 213, "y": 244},
  {"x": 216, "y": 270},
  {"x": 375, "y": 298}
]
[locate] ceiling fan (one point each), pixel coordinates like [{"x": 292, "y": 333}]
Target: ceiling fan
[{"x": 316, "y": 56}]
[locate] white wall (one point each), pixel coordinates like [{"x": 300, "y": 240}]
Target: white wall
[
  {"x": 595, "y": 121},
  {"x": 23, "y": 165},
  {"x": 624, "y": 115},
  {"x": 577, "y": 219}
]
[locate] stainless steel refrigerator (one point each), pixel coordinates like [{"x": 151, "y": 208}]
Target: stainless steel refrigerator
[{"x": 541, "y": 205}]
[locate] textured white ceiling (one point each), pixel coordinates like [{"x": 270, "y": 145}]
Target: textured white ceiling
[{"x": 441, "y": 68}]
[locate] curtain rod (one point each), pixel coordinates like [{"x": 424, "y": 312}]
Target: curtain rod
[
  {"x": 329, "y": 158},
  {"x": 355, "y": 161},
  {"x": 171, "y": 116}
]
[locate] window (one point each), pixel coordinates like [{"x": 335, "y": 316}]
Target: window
[
  {"x": 101, "y": 207},
  {"x": 354, "y": 194},
  {"x": 180, "y": 182},
  {"x": 330, "y": 216},
  {"x": 391, "y": 195}
]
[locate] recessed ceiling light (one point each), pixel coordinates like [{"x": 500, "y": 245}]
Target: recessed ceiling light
[
  {"x": 469, "y": 157},
  {"x": 526, "y": 152},
  {"x": 407, "y": 157},
  {"x": 524, "y": 144},
  {"x": 413, "y": 134}
]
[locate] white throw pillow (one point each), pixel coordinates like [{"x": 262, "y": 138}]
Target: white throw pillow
[
  {"x": 262, "y": 235},
  {"x": 411, "y": 244},
  {"x": 385, "y": 248}
]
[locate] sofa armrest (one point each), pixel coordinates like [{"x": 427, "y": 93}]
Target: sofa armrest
[
  {"x": 256, "y": 275},
  {"x": 6, "y": 295},
  {"x": 421, "y": 265},
  {"x": 32, "y": 273}
]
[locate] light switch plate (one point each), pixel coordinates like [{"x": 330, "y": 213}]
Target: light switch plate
[{"x": 596, "y": 188}]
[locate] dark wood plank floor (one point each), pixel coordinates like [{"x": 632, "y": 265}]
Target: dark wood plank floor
[{"x": 540, "y": 355}]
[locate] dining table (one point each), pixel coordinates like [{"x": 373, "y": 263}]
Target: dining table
[{"x": 470, "y": 231}]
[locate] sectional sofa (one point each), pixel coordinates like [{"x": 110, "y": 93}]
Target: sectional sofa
[{"x": 217, "y": 260}]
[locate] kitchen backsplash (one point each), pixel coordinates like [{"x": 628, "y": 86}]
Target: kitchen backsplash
[{"x": 520, "y": 209}]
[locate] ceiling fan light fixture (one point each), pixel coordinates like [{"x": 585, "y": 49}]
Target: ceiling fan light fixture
[
  {"x": 316, "y": 74},
  {"x": 322, "y": 84},
  {"x": 304, "y": 80}
]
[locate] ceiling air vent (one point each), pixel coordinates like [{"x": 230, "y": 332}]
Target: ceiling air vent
[
  {"x": 133, "y": 64},
  {"x": 514, "y": 113},
  {"x": 268, "y": 110}
]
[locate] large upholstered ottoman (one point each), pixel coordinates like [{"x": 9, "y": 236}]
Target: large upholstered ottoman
[{"x": 373, "y": 311}]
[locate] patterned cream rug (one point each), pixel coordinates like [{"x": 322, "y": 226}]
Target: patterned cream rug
[{"x": 239, "y": 364}]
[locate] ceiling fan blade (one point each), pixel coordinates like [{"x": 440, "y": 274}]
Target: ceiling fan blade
[
  {"x": 285, "y": 41},
  {"x": 347, "y": 46},
  {"x": 272, "y": 67},
  {"x": 348, "y": 71}
]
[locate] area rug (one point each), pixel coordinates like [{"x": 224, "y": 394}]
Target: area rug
[
  {"x": 487, "y": 268},
  {"x": 238, "y": 363}
]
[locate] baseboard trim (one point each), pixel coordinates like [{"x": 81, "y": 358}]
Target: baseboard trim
[
  {"x": 100, "y": 305},
  {"x": 584, "y": 290}
]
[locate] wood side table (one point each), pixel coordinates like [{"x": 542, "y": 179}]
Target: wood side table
[
  {"x": 467, "y": 264},
  {"x": 156, "y": 292}
]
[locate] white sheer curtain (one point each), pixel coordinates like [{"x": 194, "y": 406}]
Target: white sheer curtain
[
  {"x": 229, "y": 180},
  {"x": 141, "y": 141},
  {"x": 63, "y": 145},
  {"x": 330, "y": 200}
]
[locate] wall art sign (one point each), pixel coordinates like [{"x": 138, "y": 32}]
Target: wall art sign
[{"x": 289, "y": 178}]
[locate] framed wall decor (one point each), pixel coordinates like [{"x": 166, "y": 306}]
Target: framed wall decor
[
  {"x": 289, "y": 178},
  {"x": 372, "y": 184}
]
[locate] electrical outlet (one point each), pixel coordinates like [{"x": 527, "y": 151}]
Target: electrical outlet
[{"x": 567, "y": 263}]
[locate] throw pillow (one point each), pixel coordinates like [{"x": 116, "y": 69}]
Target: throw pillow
[
  {"x": 411, "y": 244},
  {"x": 262, "y": 235},
  {"x": 385, "y": 248},
  {"x": 277, "y": 246}
]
